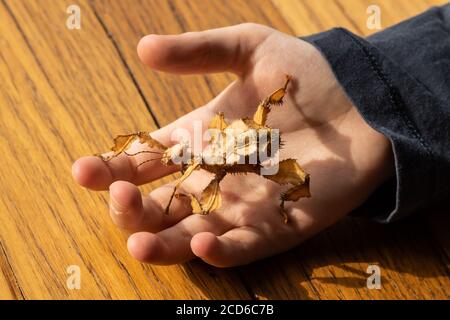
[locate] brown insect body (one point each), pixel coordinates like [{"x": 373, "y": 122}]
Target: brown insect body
[{"x": 224, "y": 156}]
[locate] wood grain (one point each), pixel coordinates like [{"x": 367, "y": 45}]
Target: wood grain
[
  {"x": 172, "y": 95},
  {"x": 73, "y": 98},
  {"x": 306, "y": 17},
  {"x": 65, "y": 93}
]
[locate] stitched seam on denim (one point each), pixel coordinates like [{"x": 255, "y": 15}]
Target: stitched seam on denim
[{"x": 384, "y": 79}]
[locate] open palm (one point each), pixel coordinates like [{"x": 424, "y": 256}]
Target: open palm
[{"x": 320, "y": 128}]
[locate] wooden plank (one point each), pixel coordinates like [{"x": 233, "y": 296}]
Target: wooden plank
[
  {"x": 64, "y": 94},
  {"x": 171, "y": 96},
  {"x": 333, "y": 265},
  {"x": 306, "y": 17},
  {"x": 438, "y": 223},
  {"x": 9, "y": 288}
]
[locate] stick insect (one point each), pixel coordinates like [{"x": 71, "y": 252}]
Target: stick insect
[{"x": 219, "y": 159}]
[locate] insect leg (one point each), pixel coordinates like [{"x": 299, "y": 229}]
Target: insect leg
[
  {"x": 294, "y": 193},
  {"x": 185, "y": 175},
  {"x": 290, "y": 172},
  {"x": 123, "y": 142},
  {"x": 211, "y": 198},
  {"x": 276, "y": 97}
]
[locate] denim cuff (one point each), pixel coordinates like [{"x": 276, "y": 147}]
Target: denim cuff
[{"x": 396, "y": 104}]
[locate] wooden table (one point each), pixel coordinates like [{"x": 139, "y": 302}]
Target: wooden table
[{"x": 64, "y": 93}]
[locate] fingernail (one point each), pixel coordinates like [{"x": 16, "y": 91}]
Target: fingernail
[{"x": 115, "y": 207}]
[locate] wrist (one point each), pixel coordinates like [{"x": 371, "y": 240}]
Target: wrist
[{"x": 371, "y": 151}]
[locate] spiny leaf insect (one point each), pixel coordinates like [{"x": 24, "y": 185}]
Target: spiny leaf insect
[{"x": 222, "y": 160}]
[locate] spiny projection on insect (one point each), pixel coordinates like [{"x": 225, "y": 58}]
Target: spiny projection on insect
[{"x": 221, "y": 160}]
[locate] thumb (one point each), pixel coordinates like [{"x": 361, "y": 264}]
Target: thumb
[{"x": 215, "y": 50}]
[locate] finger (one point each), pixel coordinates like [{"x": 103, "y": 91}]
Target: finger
[
  {"x": 238, "y": 246},
  {"x": 215, "y": 50},
  {"x": 172, "y": 245},
  {"x": 93, "y": 173},
  {"x": 96, "y": 174},
  {"x": 131, "y": 211}
]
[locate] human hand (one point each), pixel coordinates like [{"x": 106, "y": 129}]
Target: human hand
[{"x": 320, "y": 127}]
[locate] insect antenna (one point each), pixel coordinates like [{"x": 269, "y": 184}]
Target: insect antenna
[
  {"x": 140, "y": 164},
  {"x": 144, "y": 151}
]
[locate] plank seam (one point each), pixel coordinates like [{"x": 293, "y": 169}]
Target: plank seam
[
  {"x": 125, "y": 64},
  {"x": 57, "y": 218}
]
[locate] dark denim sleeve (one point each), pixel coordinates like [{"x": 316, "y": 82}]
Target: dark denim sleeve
[{"x": 399, "y": 80}]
